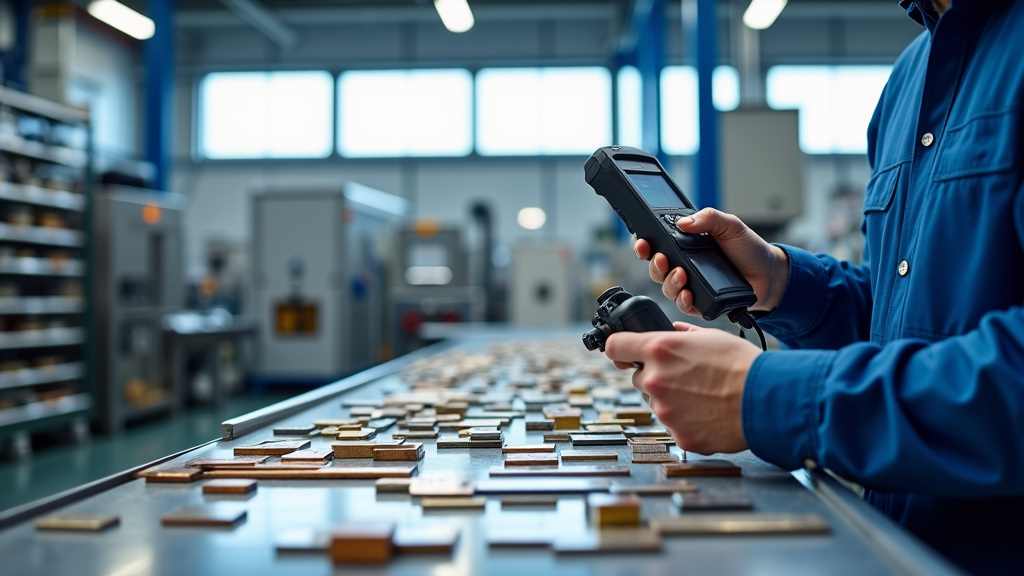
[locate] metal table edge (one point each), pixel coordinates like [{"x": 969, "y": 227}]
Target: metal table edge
[
  {"x": 18, "y": 514},
  {"x": 905, "y": 552}
]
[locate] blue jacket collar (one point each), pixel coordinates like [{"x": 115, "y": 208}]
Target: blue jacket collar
[{"x": 922, "y": 11}]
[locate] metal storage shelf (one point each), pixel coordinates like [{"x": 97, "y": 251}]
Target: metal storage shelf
[
  {"x": 49, "y": 278},
  {"x": 46, "y": 413},
  {"x": 39, "y": 151},
  {"x": 41, "y": 267},
  {"x": 39, "y": 235},
  {"x": 43, "y": 375},
  {"x": 42, "y": 305},
  {"x": 62, "y": 199},
  {"x": 41, "y": 338}
]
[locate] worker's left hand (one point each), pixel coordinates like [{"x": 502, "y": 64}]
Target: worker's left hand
[{"x": 695, "y": 378}]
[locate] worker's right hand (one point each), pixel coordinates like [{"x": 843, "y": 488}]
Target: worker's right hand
[{"x": 764, "y": 265}]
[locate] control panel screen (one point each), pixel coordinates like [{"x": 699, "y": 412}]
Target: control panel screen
[{"x": 656, "y": 191}]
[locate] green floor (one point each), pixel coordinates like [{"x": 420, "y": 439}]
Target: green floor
[{"x": 57, "y": 465}]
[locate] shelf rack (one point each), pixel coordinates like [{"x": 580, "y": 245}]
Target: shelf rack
[{"x": 45, "y": 367}]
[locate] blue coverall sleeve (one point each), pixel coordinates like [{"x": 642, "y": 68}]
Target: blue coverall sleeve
[
  {"x": 827, "y": 303},
  {"x": 943, "y": 417}
]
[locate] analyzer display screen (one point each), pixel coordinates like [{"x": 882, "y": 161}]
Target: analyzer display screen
[{"x": 656, "y": 191}]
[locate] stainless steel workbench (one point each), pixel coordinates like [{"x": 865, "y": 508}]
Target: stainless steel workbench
[{"x": 860, "y": 541}]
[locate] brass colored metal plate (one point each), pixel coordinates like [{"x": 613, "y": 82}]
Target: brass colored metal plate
[
  {"x": 320, "y": 455},
  {"x": 399, "y": 485},
  {"x": 214, "y": 463},
  {"x": 441, "y": 485},
  {"x": 468, "y": 443},
  {"x": 229, "y": 486},
  {"x": 77, "y": 522},
  {"x": 528, "y": 449},
  {"x": 531, "y": 460},
  {"x": 617, "y": 540},
  {"x": 426, "y": 538},
  {"x": 272, "y": 448},
  {"x": 586, "y": 455},
  {"x": 173, "y": 475},
  {"x": 564, "y": 471},
  {"x": 654, "y": 458},
  {"x": 215, "y": 514},
  {"x": 453, "y": 503},
  {"x": 740, "y": 524},
  {"x": 360, "y": 449},
  {"x": 535, "y": 486},
  {"x": 655, "y": 489}
]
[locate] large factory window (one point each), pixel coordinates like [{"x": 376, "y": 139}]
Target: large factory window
[
  {"x": 389, "y": 113},
  {"x": 265, "y": 115},
  {"x": 679, "y": 127},
  {"x": 835, "y": 103},
  {"x": 537, "y": 111},
  {"x": 629, "y": 116}
]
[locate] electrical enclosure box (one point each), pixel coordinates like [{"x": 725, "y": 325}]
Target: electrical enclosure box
[{"x": 541, "y": 280}]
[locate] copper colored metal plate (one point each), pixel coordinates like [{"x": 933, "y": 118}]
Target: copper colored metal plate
[
  {"x": 702, "y": 468},
  {"x": 324, "y": 473},
  {"x": 229, "y": 486}
]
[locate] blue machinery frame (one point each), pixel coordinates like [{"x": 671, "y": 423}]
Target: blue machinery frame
[
  {"x": 159, "y": 58},
  {"x": 643, "y": 46}
]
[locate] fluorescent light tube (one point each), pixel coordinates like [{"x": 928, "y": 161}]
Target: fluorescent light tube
[
  {"x": 762, "y": 13},
  {"x": 455, "y": 14},
  {"x": 123, "y": 18}
]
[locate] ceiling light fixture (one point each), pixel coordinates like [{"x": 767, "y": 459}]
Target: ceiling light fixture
[
  {"x": 455, "y": 14},
  {"x": 762, "y": 13},
  {"x": 123, "y": 18}
]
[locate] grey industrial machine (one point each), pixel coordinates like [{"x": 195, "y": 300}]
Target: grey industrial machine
[
  {"x": 761, "y": 166},
  {"x": 138, "y": 279},
  {"x": 542, "y": 288},
  {"x": 320, "y": 279},
  {"x": 431, "y": 284}
]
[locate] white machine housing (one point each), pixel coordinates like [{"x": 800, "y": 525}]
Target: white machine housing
[{"x": 342, "y": 236}]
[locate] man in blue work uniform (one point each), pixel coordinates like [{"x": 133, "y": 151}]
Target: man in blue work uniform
[{"x": 905, "y": 374}]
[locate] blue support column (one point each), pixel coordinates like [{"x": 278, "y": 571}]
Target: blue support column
[
  {"x": 159, "y": 117},
  {"x": 702, "y": 31},
  {"x": 643, "y": 46},
  {"x": 649, "y": 29},
  {"x": 15, "y": 58}
]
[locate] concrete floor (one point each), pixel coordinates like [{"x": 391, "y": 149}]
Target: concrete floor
[{"x": 58, "y": 464}]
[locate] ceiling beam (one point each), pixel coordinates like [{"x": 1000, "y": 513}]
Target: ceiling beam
[{"x": 262, "y": 19}]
